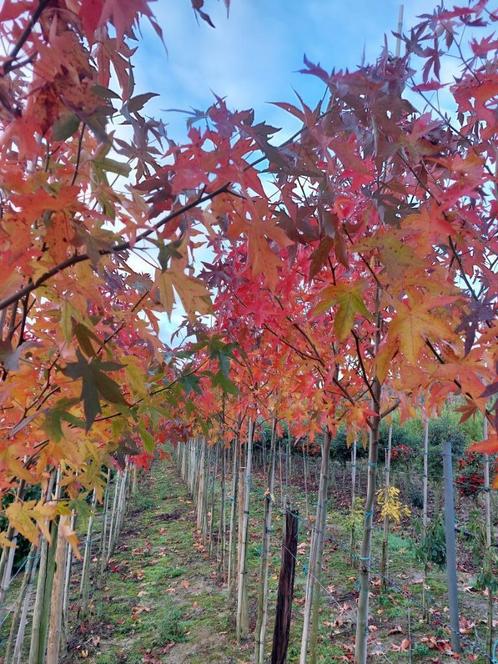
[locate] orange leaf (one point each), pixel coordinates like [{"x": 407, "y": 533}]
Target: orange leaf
[{"x": 488, "y": 446}]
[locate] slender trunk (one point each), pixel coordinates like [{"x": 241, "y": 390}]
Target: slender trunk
[
  {"x": 352, "y": 541},
  {"x": 212, "y": 502},
  {"x": 23, "y": 621},
  {"x": 285, "y": 590},
  {"x": 47, "y": 594},
  {"x": 57, "y": 596},
  {"x": 312, "y": 578},
  {"x": 242, "y": 618},
  {"x": 41, "y": 609},
  {"x": 361, "y": 640},
  {"x": 112, "y": 524},
  {"x": 18, "y": 609},
  {"x": 305, "y": 473},
  {"x": 280, "y": 474},
  {"x": 384, "y": 563},
  {"x": 201, "y": 491},
  {"x": 121, "y": 510},
  {"x": 67, "y": 584},
  {"x": 5, "y": 557},
  {"x": 449, "y": 526},
  {"x": 425, "y": 512},
  {"x": 262, "y": 617},
  {"x": 489, "y": 541},
  {"x": 103, "y": 534},
  {"x": 222, "y": 531},
  {"x": 87, "y": 556},
  {"x": 233, "y": 519}
]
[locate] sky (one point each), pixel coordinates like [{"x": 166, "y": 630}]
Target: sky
[{"x": 253, "y": 57}]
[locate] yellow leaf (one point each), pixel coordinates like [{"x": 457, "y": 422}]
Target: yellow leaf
[
  {"x": 5, "y": 542},
  {"x": 165, "y": 286},
  {"x": 413, "y": 324},
  {"x": 69, "y": 535},
  {"x": 135, "y": 376},
  {"x": 349, "y": 301},
  {"x": 30, "y": 517}
]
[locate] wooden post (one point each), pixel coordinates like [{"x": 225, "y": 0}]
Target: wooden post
[
  {"x": 285, "y": 589},
  {"x": 449, "y": 523}
]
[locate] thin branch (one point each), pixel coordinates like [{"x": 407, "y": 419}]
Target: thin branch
[
  {"x": 118, "y": 248},
  {"x": 24, "y": 36},
  {"x": 362, "y": 366}
]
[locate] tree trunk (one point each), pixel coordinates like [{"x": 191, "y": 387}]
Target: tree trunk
[
  {"x": 384, "y": 563},
  {"x": 425, "y": 512},
  {"x": 361, "y": 641},
  {"x": 87, "y": 556},
  {"x": 316, "y": 549},
  {"x": 352, "y": 541},
  {"x": 222, "y": 531},
  {"x": 489, "y": 540},
  {"x": 20, "y": 604},
  {"x": 233, "y": 519},
  {"x": 449, "y": 526},
  {"x": 262, "y": 618},
  {"x": 57, "y": 596},
  {"x": 242, "y": 618}
]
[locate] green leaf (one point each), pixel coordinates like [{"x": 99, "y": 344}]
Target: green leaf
[
  {"x": 138, "y": 102},
  {"x": 104, "y": 93},
  {"x": 320, "y": 255},
  {"x": 147, "y": 439},
  {"x": 95, "y": 383},
  {"x": 65, "y": 126},
  {"x": 221, "y": 380},
  {"x": 350, "y": 302},
  {"x": 190, "y": 383},
  {"x": 83, "y": 335},
  {"x": 113, "y": 166}
]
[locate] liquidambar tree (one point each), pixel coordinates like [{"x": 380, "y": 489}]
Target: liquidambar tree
[{"x": 372, "y": 265}]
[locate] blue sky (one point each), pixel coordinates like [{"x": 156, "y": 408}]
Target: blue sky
[{"x": 253, "y": 57}]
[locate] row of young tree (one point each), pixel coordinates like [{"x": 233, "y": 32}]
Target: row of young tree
[
  {"x": 351, "y": 271},
  {"x": 222, "y": 474},
  {"x": 38, "y": 610}
]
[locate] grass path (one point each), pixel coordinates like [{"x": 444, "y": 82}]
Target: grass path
[{"x": 162, "y": 601}]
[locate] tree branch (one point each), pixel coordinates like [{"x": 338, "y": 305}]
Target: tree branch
[{"x": 118, "y": 248}]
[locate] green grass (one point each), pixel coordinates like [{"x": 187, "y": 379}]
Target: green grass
[{"x": 189, "y": 610}]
